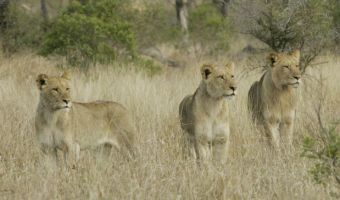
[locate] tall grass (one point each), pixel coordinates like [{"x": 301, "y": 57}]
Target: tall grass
[{"x": 161, "y": 172}]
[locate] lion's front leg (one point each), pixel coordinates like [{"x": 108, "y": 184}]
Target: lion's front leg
[
  {"x": 202, "y": 141},
  {"x": 220, "y": 144},
  {"x": 272, "y": 132},
  {"x": 50, "y": 153},
  {"x": 286, "y": 131},
  {"x": 71, "y": 152},
  {"x": 188, "y": 146},
  {"x": 48, "y": 146},
  {"x": 202, "y": 148}
]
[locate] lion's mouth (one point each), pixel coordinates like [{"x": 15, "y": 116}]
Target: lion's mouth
[
  {"x": 295, "y": 85},
  {"x": 65, "y": 107},
  {"x": 229, "y": 95}
]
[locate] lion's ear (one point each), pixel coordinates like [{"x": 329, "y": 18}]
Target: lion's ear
[
  {"x": 41, "y": 81},
  {"x": 296, "y": 54},
  {"x": 66, "y": 75},
  {"x": 206, "y": 70},
  {"x": 231, "y": 66},
  {"x": 273, "y": 57}
]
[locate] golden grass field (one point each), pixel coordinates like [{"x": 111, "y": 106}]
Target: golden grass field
[{"x": 160, "y": 172}]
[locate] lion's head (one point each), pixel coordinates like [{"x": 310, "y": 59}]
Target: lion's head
[
  {"x": 55, "y": 91},
  {"x": 285, "y": 69},
  {"x": 219, "y": 80}
]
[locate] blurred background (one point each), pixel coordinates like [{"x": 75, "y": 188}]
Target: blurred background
[{"x": 155, "y": 33}]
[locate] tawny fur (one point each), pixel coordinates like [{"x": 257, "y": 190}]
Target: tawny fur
[
  {"x": 205, "y": 116},
  {"x": 71, "y": 126},
  {"x": 272, "y": 100}
]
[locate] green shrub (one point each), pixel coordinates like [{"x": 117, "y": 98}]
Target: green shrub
[
  {"x": 89, "y": 33},
  {"x": 325, "y": 151},
  {"x": 335, "y": 10},
  {"x": 208, "y": 27},
  {"x": 147, "y": 65},
  {"x": 22, "y": 30},
  {"x": 283, "y": 26},
  {"x": 156, "y": 24}
]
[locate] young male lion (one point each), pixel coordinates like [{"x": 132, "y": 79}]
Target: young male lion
[
  {"x": 71, "y": 126},
  {"x": 204, "y": 115},
  {"x": 272, "y": 100}
]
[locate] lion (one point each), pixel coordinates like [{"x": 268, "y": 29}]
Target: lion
[
  {"x": 62, "y": 124},
  {"x": 204, "y": 115},
  {"x": 272, "y": 101}
]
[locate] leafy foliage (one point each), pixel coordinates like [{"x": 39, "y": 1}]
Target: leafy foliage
[
  {"x": 335, "y": 11},
  {"x": 22, "y": 30},
  {"x": 156, "y": 24},
  {"x": 209, "y": 27},
  {"x": 92, "y": 32},
  {"x": 325, "y": 151},
  {"x": 305, "y": 25},
  {"x": 150, "y": 67}
]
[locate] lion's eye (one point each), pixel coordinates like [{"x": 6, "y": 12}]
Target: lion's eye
[
  {"x": 55, "y": 89},
  {"x": 286, "y": 66},
  {"x": 67, "y": 89},
  {"x": 232, "y": 76}
]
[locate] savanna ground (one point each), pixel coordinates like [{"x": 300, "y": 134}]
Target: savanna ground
[{"x": 161, "y": 172}]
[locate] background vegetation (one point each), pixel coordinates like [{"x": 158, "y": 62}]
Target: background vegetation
[
  {"x": 89, "y": 33},
  {"x": 124, "y": 29}
]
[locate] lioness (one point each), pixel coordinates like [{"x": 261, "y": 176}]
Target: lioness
[
  {"x": 272, "y": 100},
  {"x": 204, "y": 115},
  {"x": 72, "y": 126}
]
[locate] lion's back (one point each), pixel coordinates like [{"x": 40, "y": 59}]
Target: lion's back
[{"x": 99, "y": 113}]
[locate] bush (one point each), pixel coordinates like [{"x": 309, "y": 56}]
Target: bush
[
  {"x": 156, "y": 24},
  {"x": 22, "y": 30},
  {"x": 148, "y": 66},
  {"x": 91, "y": 32},
  {"x": 335, "y": 9},
  {"x": 208, "y": 27},
  {"x": 283, "y": 26},
  {"x": 325, "y": 151}
]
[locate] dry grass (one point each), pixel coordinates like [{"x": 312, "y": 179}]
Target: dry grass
[{"x": 160, "y": 172}]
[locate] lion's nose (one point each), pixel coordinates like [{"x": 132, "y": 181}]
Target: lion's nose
[
  {"x": 297, "y": 77},
  {"x": 233, "y": 88}
]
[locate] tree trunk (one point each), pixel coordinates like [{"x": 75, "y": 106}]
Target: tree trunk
[
  {"x": 4, "y": 4},
  {"x": 61, "y": 3},
  {"x": 44, "y": 12},
  {"x": 223, "y": 6},
  {"x": 182, "y": 14},
  {"x": 84, "y": 2},
  {"x": 285, "y": 3}
]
